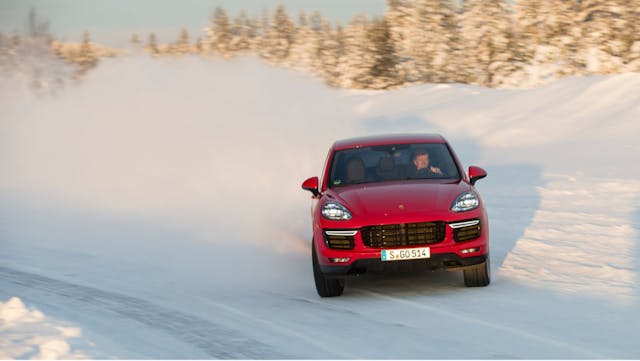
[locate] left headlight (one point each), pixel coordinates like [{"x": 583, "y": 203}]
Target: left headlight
[
  {"x": 465, "y": 202},
  {"x": 335, "y": 212}
]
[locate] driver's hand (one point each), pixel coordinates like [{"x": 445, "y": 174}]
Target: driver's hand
[{"x": 435, "y": 170}]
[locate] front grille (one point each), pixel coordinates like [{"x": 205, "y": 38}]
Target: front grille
[
  {"x": 398, "y": 235},
  {"x": 338, "y": 241},
  {"x": 466, "y": 233}
]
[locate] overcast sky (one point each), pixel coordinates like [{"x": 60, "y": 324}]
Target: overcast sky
[{"x": 113, "y": 21}]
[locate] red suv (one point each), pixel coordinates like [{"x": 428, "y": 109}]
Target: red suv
[{"x": 396, "y": 202}]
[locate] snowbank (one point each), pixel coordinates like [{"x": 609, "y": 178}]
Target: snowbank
[{"x": 28, "y": 334}]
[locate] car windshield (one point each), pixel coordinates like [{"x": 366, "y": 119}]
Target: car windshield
[{"x": 391, "y": 163}]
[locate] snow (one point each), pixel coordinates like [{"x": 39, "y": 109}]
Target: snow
[
  {"x": 602, "y": 267},
  {"x": 28, "y": 333},
  {"x": 154, "y": 211}
]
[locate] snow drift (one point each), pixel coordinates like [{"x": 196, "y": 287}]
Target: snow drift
[{"x": 27, "y": 333}]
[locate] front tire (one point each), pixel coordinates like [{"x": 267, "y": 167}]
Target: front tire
[
  {"x": 326, "y": 287},
  {"x": 478, "y": 276}
]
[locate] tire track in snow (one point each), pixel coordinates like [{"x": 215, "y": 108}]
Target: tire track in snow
[
  {"x": 578, "y": 350},
  {"x": 215, "y": 340},
  {"x": 299, "y": 334}
]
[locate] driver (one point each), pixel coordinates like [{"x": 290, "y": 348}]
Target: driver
[{"x": 423, "y": 168}]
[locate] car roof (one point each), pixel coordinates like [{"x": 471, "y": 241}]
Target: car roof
[{"x": 387, "y": 139}]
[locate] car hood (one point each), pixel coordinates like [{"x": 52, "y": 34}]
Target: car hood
[{"x": 403, "y": 199}]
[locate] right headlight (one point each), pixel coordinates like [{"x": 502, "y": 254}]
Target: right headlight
[
  {"x": 335, "y": 212},
  {"x": 465, "y": 202}
]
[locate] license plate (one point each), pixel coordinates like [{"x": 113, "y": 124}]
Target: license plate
[{"x": 405, "y": 253}]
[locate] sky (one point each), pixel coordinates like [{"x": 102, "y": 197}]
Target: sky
[{"x": 112, "y": 22}]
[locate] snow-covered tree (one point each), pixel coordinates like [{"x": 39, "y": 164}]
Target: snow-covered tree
[
  {"x": 199, "y": 46},
  {"x": 330, "y": 52},
  {"x": 383, "y": 73},
  {"x": 37, "y": 27},
  {"x": 339, "y": 58},
  {"x": 152, "y": 44},
  {"x": 357, "y": 61},
  {"x": 487, "y": 42},
  {"x": 483, "y": 43},
  {"x": 303, "y": 50},
  {"x": 547, "y": 34},
  {"x": 604, "y": 26},
  {"x": 632, "y": 36},
  {"x": 134, "y": 39},
  {"x": 32, "y": 59},
  {"x": 243, "y": 32},
  {"x": 263, "y": 43},
  {"x": 182, "y": 45},
  {"x": 434, "y": 41},
  {"x": 218, "y": 36},
  {"x": 281, "y": 36},
  {"x": 402, "y": 20},
  {"x": 86, "y": 57}
]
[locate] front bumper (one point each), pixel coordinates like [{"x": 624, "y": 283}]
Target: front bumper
[
  {"x": 449, "y": 261},
  {"x": 357, "y": 257}
]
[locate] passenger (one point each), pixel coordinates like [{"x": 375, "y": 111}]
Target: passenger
[
  {"x": 423, "y": 168},
  {"x": 355, "y": 171},
  {"x": 386, "y": 168}
]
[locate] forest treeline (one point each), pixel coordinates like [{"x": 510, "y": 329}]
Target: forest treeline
[
  {"x": 483, "y": 42},
  {"x": 490, "y": 43}
]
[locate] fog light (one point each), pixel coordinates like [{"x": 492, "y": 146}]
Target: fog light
[
  {"x": 339, "y": 260},
  {"x": 469, "y": 250}
]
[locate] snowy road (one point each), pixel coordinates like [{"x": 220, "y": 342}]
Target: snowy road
[
  {"x": 215, "y": 341},
  {"x": 154, "y": 230},
  {"x": 407, "y": 316}
]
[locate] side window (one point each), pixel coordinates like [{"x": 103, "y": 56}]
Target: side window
[{"x": 335, "y": 177}]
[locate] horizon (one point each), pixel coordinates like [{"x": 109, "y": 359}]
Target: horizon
[{"x": 111, "y": 23}]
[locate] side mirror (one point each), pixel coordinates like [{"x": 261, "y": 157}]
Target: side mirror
[
  {"x": 311, "y": 185},
  {"x": 476, "y": 173}
]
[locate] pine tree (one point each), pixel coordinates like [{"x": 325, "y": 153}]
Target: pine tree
[
  {"x": 632, "y": 36},
  {"x": 218, "y": 35},
  {"x": 304, "y": 46},
  {"x": 243, "y": 33},
  {"x": 263, "y": 43},
  {"x": 546, "y": 35},
  {"x": 403, "y": 22},
  {"x": 199, "y": 47},
  {"x": 282, "y": 36},
  {"x": 37, "y": 28},
  {"x": 357, "y": 61},
  {"x": 384, "y": 70},
  {"x": 434, "y": 41},
  {"x": 320, "y": 44},
  {"x": 182, "y": 45},
  {"x": 487, "y": 42},
  {"x": 338, "y": 58},
  {"x": 330, "y": 53},
  {"x": 316, "y": 21},
  {"x": 152, "y": 45},
  {"x": 135, "y": 39},
  {"x": 86, "y": 57},
  {"x": 603, "y": 45}
]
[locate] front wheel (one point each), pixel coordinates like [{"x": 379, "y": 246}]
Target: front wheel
[
  {"x": 478, "y": 276},
  {"x": 326, "y": 287}
]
